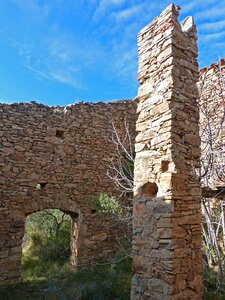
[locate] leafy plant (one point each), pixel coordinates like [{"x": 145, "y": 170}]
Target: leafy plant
[
  {"x": 48, "y": 235},
  {"x": 106, "y": 205}
]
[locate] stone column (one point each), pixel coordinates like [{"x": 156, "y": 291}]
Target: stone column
[{"x": 167, "y": 213}]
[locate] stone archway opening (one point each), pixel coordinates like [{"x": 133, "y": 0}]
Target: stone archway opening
[{"x": 50, "y": 241}]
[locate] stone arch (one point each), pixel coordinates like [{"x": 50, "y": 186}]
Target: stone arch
[
  {"x": 76, "y": 219},
  {"x": 74, "y": 212},
  {"x": 65, "y": 205},
  {"x": 16, "y": 232},
  {"x": 149, "y": 190}
]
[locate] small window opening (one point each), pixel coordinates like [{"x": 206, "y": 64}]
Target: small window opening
[
  {"x": 60, "y": 134},
  {"x": 93, "y": 211},
  {"x": 149, "y": 189},
  {"x": 41, "y": 186},
  {"x": 18, "y": 223},
  {"x": 164, "y": 165}
]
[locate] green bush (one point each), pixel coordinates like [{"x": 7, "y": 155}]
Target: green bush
[
  {"x": 109, "y": 281},
  {"x": 211, "y": 290},
  {"x": 49, "y": 248},
  {"x": 106, "y": 205}
]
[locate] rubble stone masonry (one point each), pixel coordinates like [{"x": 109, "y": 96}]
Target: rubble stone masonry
[
  {"x": 167, "y": 214},
  {"x": 212, "y": 130},
  {"x": 57, "y": 157}
]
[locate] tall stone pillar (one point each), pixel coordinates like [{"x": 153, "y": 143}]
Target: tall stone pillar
[{"x": 167, "y": 214}]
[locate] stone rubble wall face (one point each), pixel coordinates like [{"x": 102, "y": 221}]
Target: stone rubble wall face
[
  {"x": 66, "y": 150},
  {"x": 167, "y": 214},
  {"x": 211, "y": 87}
]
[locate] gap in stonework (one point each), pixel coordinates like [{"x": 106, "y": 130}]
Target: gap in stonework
[{"x": 46, "y": 246}]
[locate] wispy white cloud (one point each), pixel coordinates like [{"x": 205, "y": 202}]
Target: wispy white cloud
[
  {"x": 68, "y": 78},
  {"x": 186, "y": 8},
  {"x": 54, "y": 64},
  {"x": 122, "y": 25},
  {"x": 125, "y": 66},
  {"x": 124, "y": 57},
  {"x": 65, "y": 57},
  {"x": 40, "y": 74},
  {"x": 104, "y": 5},
  {"x": 37, "y": 9},
  {"x": 215, "y": 12},
  {"x": 211, "y": 36},
  {"x": 212, "y": 26},
  {"x": 123, "y": 15},
  {"x": 44, "y": 68},
  {"x": 119, "y": 27},
  {"x": 61, "y": 47},
  {"x": 56, "y": 59},
  {"x": 196, "y": 5}
]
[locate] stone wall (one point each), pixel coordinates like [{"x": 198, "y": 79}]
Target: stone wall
[
  {"x": 57, "y": 157},
  {"x": 167, "y": 214},
  {"x": 212, "y": 130}
]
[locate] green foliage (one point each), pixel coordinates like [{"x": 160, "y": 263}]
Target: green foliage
[
  {"x": 211, "y": 290},
  {"x": 106, "y": 205},
  {"x": 48, "y": 236},
  {"x": 36, "y": 269},
  {"x": 127, "y": 171},
  {"x": 127, "y": 165},
  {"x": 55, "y": 280},
  {"x": 47, "y": 222},
  {"x": 49, "y": 248},
  {"x": 106, "y": 281}
]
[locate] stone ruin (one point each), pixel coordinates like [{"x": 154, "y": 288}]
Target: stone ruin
[
  {"x": 167, "y": 213},
  {"x": 211, "y": 87},
  {"x": 57, "y": 157}
]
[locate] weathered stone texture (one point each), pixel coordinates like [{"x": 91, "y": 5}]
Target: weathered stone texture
[
  {"x": 212, "y": 130},
  {"x": 57, "y": 157},
  {"x": 167, "y": 215}
]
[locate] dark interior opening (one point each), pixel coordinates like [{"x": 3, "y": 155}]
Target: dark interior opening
[
  {"x": 149, "y": 189},
  {"x": 60, "y": 134}
]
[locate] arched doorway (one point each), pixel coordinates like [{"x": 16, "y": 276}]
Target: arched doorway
[{"x": 49, "y": 243}]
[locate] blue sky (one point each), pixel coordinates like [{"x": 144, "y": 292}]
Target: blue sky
[{"x": 58, "y": 52}]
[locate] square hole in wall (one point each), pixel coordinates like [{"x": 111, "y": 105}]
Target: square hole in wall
[
  {"x": 41, "y": 185},
  {"x": 60, "y": 134},
  {"x": 164, "y": 165}
]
